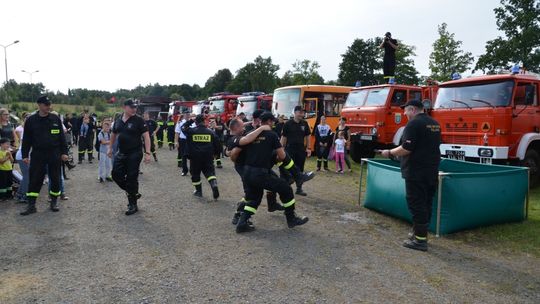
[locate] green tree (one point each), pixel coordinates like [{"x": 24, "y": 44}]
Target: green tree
[
  {"x": 303, "y": 72},
  {"x": 361, "y": 62},
  {"x": 259, "y": 75},
  {"x": 447, "y": 56},
  {"x": 218, "y": 82},
  {"x": 406, "y": 72},
  {"x": 520, "y": 22}
]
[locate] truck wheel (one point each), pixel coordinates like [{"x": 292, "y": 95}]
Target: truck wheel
[
  {"x": 532, "y": 161},
  {"x": 358, "y": 152}
]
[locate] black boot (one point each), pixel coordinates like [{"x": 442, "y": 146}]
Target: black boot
[
  {"x": 215, "y": 190},
  {"x": 155, "y": 156},
  {"x": 318, "y": 165},
  {"x": 198, "y": 191},
  {"x": 132, "y": 204},
  {"x": 299, "y": 191},
  {"x": 244, "y": 224},
  {"x": 54, "y": 204},
  {"x": 293, "y": 220},
  {"x": 272, "y": 203},
  {"x": 30, "y": 208},
  {"x": 418, "y": 238}
]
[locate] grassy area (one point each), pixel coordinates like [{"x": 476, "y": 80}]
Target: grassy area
[{"x": 521, "y": 237}]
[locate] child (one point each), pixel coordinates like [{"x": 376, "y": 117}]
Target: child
[
  {"x": 6, "y": 166},
  {"x": 105, "y": 163},
  {"x": 340, "y": 151}
]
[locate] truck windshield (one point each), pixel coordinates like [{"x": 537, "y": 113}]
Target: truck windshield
[
  {"x": 285, "y": 101},
  {"x": 496, "y": 94},
  {"x": 377, "y": 97},
  {"x": 247, "y": 107},
  {"x": 356, "y": 98},
  {"x": 217, "y": 106}
]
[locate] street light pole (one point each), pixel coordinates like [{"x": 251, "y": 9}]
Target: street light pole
[
  {"x": 30, "y": 73},
  {"x": 5, "y": 55}
]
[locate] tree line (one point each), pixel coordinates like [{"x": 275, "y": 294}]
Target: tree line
[{"x": 519, "y": 20}]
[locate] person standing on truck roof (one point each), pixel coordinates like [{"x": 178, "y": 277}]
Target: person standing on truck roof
[
  {"x": 389, "y": 60},
  {"x": 295, "y": 138},
  {"x": 419, "y": 159}
]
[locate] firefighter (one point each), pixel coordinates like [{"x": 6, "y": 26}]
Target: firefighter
[
  {"x": 160, "y": 128},
  {"x": 323, "y": 140},
  {"x": 129, "y": 130},
  {"x": 202, "y": 145},
  {"x": 86, "y": 138},
  {"x": 43, "y": 134},
  {"x": 257, "y": 174},
  {"x": 170, "y": 133},
  {"x": 152, "y": 127},
  {"x": 295, "y": 139},
  {"x": 181, "y": 144},
  {"x": 419, "y": 156}
]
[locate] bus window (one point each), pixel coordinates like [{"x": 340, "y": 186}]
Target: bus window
[{"x": 333, "y": 104}]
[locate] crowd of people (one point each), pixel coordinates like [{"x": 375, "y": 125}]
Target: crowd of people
[{"x": 41, "y": 146}]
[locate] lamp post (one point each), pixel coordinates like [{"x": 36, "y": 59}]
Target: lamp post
[
  {"x": 30, "y": 73},
  {"x": 5, "y": 55}
]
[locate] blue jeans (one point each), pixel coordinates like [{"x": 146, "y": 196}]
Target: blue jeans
[{"x": 23, "y": 187}]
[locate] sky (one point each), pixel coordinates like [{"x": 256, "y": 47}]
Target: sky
[{"x": 110, "y": 44}]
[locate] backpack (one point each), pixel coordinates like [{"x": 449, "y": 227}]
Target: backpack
[{"x": 97, "y": 145}]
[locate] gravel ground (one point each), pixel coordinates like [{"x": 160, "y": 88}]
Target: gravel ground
[{"x": 178, "y": 249}]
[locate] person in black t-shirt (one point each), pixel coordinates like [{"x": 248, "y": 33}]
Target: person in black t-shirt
[
  {"x": 257, "y": 174},
  {"x": 295, "y": 138},
  {"x": 420, "y": 158},
  {"x": 129, "y": 129},
  {"x": 389, "y": 60},
  {"x": 152, "y": 127}
]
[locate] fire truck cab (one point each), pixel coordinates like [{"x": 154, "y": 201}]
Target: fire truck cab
[
  {"x": 251, "y": 101},
  {"x": 176, "y": 108},
  {"x": 375, "y": 118},
  {"x": 491, "y": 119},
  {"x": 224, "y": 105}
]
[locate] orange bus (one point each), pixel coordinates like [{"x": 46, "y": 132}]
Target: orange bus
[{"x": 317, "y": 100}]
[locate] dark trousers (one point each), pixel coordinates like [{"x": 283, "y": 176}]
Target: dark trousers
[
  {"x": 298, "y": 155},
  {"x": 85, "y": 146},
  {"x": 152, "y": 146},
  {"x": 170, "y": 138},
  {"x": 125, "y": 171},
  {"x": 6, "y": 182},
  {"x": 260, "y": 179},
  {"x": 182, "y": 155},
  {"x": 389, "y": 66},
  {"x": 322, "y": 156},
  {"x": 204, "y": 165},
  {"x": 75, "y": 136},
  {"x": 41, "y": 163},
  {"x": 419, "y": 196},
  {"x": 159, "y": 136}
]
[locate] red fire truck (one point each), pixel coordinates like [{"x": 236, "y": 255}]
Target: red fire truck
[
  {"x": 222, "y": 104},
  {"x": 249, "y": 102},
  {"x": 491, "y": 119},
  {"x": 375, "y": 118},
  {"x": 180, "y": 107}
]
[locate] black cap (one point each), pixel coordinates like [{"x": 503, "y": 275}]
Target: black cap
[
  {"x": 44, "y": 100},
  {"x": 267, "y": 116},
  {"x": 257, "y": 113},
  {"x": 298, "y": 108},
  {"x": 414, "y": 102},
  {"x": 130, "y": 102},
  {"x": 199, "y": 119}
]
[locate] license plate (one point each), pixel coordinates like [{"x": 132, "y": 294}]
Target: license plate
[
  {"x": 366, "y": 137},
  {"x": 455, "y": 153}
]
